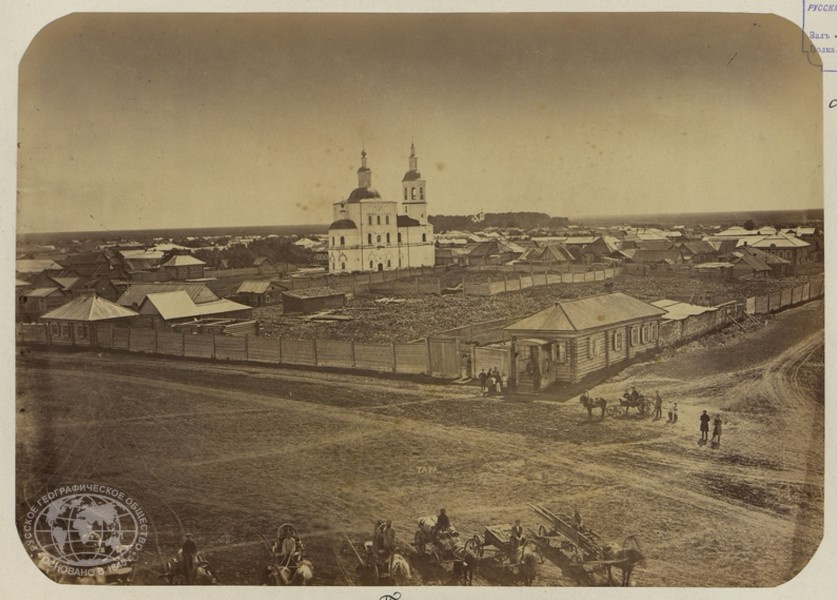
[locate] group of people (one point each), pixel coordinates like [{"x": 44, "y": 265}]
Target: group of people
[
  {"x": 717, "y": 424},
  {"x": 491, "y": 382}
]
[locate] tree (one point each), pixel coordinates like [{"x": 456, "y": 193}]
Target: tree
[{"x": 749, "y": 224}]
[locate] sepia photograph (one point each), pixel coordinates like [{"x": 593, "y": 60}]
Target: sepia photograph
[{"x": 427, "y": 299}]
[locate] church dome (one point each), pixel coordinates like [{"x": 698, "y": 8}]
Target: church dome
[
  {"x": 363, "y": 193},
  {"x": 411, "y": 176},
  {"x": 343, "y": 224}
]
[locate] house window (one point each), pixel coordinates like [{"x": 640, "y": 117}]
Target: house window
[
  {"x": 342, "y": 240},
  {"x": 387, "y": 238},
  {"x": 53, "y": 329},
  {"x": 65, "y": 330},
  {"x": 81, "y": 332},
  {"x": 617, "y": 340},
  {"x": 369, "y": 237},
  {"x": 559, "y": 352},
  {"x": 267, "y": 298},
  {"x": 592, "y": 347},
  {"x": 634, "y": 336},
  {"x": 654, "y": 331}
]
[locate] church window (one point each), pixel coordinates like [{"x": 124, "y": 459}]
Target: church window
[
  {"x": 379, "y": 219},
  {"x": 332, "y": 240},
  {"x": 423, "y": 237},
  {"x": 387, "y": 238},
  {"x": 369, "y": 237},
  {"x": 371, "y": 265},
  {"x": 399, "y": 238},
  {"x": 421, "y": 193},
  {"x": 388, "y": 263},
  {"x": 342, "y": 266},
  {"x": 405, "y": 193},
  {"x": 378, "y": 239},
  {"x": 370, "y": 219},
  {"x": 342, "y": 240},
  {"x": 413, "y": 193},
  {"x": 387, "y": 219}
]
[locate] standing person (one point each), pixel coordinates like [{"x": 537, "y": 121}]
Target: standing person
[
  {"x": 704, "y": 427},
  {"x": 716, "y": 431},
  {"x": 670, "y": 412},
  {"x": 483, "y": 381},
  {"x": 498, "y": 381},
  {"x": 516, "y": 535},
  {"x": 674, "y": 414},
  {"x": 658, "y": 406},
  {"x": 490, "y": 382}
]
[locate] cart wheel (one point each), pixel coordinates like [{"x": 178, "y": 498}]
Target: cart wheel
[
  {"x": 620, "y": 411},
  {"x": 474, "y": 545},
  {"x": 611, "y": 411}
]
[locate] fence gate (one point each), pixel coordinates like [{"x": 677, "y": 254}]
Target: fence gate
[{"x": 444, "y": 358}]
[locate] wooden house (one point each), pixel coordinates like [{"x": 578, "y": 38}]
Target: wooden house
[
  {"x": 74, "y": 322},
  {"x": 574, "y": 338},
  {"x": 260, "y": 292}
]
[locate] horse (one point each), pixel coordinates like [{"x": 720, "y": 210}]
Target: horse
[
  {"x": 591, "y": 403},
  {"x": 527, "y": 564},
  {"x": 399, "y": 569},
  {"x": 468, "y": 556},
  {"x": 199, "y": 574},
  {"x": 629, "y": 555}
]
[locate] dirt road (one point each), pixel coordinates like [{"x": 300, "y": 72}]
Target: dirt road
[{"x": 228, "y": 452}]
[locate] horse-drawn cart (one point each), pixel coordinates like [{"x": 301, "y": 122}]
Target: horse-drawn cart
[
  {"x": 498, "y": 550},
  {"x": 581, "y": 550},
  {"x": 644, "y": 406}
]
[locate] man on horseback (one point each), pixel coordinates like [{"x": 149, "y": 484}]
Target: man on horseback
[
  {"x": 442, "y": 523},
  {"x": 288, "y": 546}
]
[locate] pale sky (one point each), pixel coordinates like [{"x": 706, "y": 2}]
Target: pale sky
[{"x": 132, "y": 121}]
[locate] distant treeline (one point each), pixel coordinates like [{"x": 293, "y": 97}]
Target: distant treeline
[{"x": 506, "y": 220}]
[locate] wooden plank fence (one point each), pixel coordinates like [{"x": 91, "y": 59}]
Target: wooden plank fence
[{"x": 438, "y": 358}]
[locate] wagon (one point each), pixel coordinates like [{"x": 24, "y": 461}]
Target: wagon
[
  {"x": 497, "y": 550},
  {"x": 581, "y": 549},
  {"x": 645, "y": 406}
]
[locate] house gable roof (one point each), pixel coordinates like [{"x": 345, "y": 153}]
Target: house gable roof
[
  {"x": 588, "y": 313},
  {"x": 89, "y": 307},
  {"x": 178, "y": 305},
  {"x": 136, "y": 292}
]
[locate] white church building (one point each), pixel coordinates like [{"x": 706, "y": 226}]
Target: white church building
[{"x": 370, "y": 233}]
